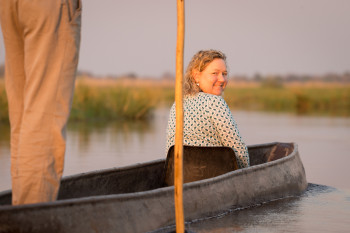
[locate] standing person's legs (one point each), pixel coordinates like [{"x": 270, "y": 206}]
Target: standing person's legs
[
  {"x": 51, "y": 39},
  {"x": 14, "y": 78}
]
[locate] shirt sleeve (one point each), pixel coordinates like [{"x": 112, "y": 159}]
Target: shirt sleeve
[
  {"x": 170, "y": 131},
  {"x": 226, "y": 128}
]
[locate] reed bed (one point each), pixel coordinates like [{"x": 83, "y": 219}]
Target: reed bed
[
  {"x": 3, "y": 102},
  {"x": 135, "y": 99},
  {"x": 300, "y": 98},
  {"x": 109, "y": 99}
]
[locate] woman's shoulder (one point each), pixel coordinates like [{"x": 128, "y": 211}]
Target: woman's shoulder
[
  {"x": 213, "y": 99},
  {"x": 207, "y": 96},
  {"x": 205, "y": 100},
  {"x": 199, "y": 97}
]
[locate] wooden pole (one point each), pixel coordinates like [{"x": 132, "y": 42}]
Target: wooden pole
[{"x": 178, "y": 176}]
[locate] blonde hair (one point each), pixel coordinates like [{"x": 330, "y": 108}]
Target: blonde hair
[{"x": 199, "y": 62}]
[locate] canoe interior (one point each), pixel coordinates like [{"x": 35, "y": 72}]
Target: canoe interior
[
  {"x": 200, "y": 163},
  {"x": 138, "y": 178}
]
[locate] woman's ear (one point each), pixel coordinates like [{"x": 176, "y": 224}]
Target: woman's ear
[{"x": 195, "y": 75}]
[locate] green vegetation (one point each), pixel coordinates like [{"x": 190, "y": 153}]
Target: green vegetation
[
  {"x": 3, "y": 103},
  {"x": 258, "y": 98},
  {"x": 299, "y": 99},
  {"x": 109, "y": 99}
]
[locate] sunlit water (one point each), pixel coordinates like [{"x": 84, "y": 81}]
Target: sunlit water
[
  {"x": 324, "y": 146},
  {"x": 319, "y": 209}
]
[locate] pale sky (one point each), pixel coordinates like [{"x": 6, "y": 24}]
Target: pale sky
[{"x": 258, "y": 36}]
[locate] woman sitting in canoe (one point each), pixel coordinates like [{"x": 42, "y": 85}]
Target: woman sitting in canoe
[{"x": 208, "y": 120}]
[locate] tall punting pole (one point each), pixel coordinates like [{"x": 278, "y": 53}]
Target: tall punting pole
[{"x": 178, "y": 176}]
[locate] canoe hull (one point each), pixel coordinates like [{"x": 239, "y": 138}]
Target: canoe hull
[{"x": 142, "y": 211}]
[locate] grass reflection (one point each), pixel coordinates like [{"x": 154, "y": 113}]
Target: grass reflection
[
  {"x": 5, "y": 133},
  {"x": 85, "y": 133}
]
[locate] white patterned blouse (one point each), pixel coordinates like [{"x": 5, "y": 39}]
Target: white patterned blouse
[{"x": 208, "y": 121}]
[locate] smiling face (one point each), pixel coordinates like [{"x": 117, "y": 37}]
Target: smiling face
[{"x": 213, "y": 78}]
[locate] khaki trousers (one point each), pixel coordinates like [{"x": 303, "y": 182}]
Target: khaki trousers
[{"x": 42, "y": 40}]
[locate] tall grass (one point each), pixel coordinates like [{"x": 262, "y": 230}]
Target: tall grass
[
  {"x": 331, "y": 100},
  {"x": 3, "y": 102},
  {"x": 112, "y": 100},
  {"x": 259, "y": 99},
  {"x": 107, "y": 99}
]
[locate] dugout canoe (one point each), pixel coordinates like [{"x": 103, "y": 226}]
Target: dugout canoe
[{"x": 134, "y": 199}]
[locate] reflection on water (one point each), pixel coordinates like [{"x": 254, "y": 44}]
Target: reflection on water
[
  {"x": 319, "y": 209},
  {"x": 324, "y": 143},
  {"x": 113, "y": 144},
  {"x": 100, "y": 145},
  {"x": 4, "y": 156}
]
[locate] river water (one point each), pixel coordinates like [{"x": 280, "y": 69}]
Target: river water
[{"x": 324, "y": 147}]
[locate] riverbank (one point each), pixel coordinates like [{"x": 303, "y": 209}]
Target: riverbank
[
  {"x": 302, "y": 98},
  {"x": 134, "y": 99}
]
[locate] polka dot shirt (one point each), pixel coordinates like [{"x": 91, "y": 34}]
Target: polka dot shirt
[{"x": 208, "y": 121}]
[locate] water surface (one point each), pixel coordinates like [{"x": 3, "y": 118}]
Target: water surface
[
  {"x": 324, "y": 145},
  {"x": 319, "y": 209}
]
